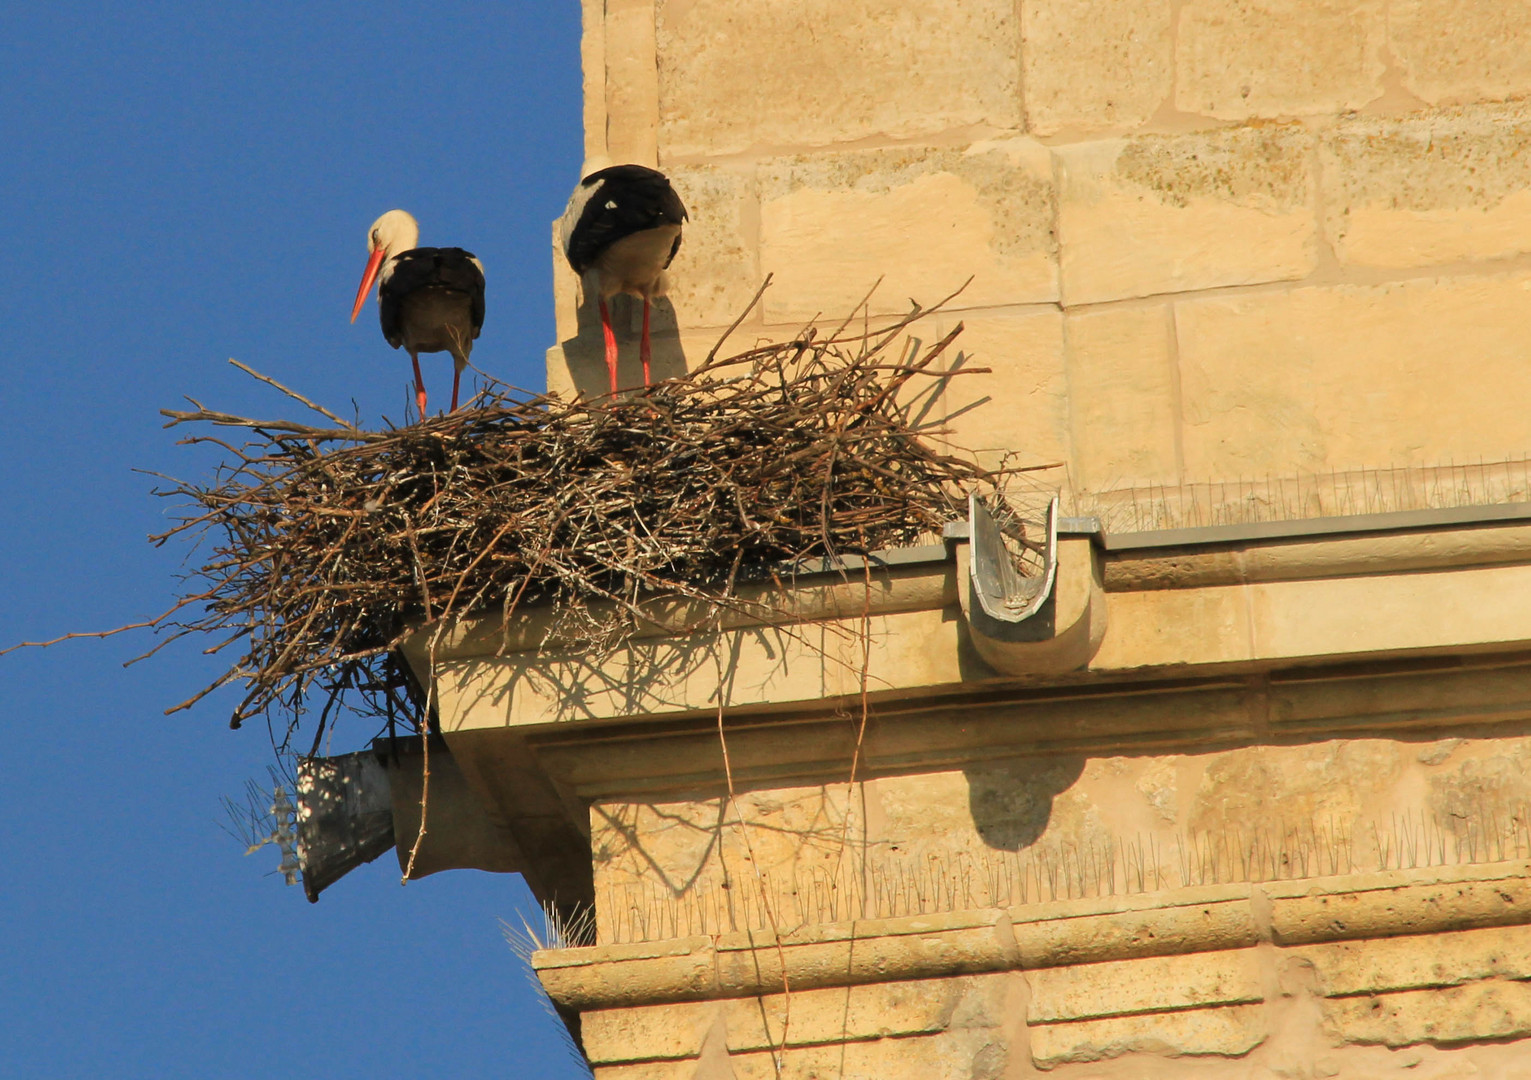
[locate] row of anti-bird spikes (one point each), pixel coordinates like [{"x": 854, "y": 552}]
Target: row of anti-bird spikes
[{"x": 878, "y": 884}]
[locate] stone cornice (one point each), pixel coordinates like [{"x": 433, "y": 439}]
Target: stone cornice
[{"x": 1284, "y": 913}]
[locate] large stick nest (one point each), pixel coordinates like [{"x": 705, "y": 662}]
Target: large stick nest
[{"x": 325, "y": 546}]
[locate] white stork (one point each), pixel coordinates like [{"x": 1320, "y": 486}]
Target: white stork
[
  {"x": 428, "y": 299},
  {"x": 622, "y": 229}
]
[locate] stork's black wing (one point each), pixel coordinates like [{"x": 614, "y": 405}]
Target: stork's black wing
[
  {"x": 451, "y": 269},
  {"x": 614, "y": 203}
]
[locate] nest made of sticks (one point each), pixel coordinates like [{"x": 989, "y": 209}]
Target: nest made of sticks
[{"x": 324, "y": 546}]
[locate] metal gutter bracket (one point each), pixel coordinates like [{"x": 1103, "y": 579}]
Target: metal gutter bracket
[
  {"x": 345, "y": 817},
  {"x": 1043, "y": 623},
  {"x": 354, "y": 807}
]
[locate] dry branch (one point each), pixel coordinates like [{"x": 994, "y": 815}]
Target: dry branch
[{"x": 324, "y": 546}]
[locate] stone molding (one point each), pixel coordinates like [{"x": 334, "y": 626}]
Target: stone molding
[{"x": 1285, "y": 913}]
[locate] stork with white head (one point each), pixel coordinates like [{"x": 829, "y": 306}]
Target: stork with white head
[
  {"x": 429, "y": 299},
  {"x": 620, "y": 232}
]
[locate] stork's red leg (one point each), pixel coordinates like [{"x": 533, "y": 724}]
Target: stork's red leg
[
  {"x": 611, "y": 343},
  {"x": 456, "y": 378},
  {"x": 419, "y": 385},
  {"x": 643, "y": 343}
]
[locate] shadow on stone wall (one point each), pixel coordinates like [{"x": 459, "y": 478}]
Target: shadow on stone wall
[
  {"x": 1011, "y": 801},
  {"x": 586, "y": 356}
]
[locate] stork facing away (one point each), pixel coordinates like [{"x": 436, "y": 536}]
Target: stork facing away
[
  {"x": 428, "y": 299},
  {"x": 619, "y": 233}
]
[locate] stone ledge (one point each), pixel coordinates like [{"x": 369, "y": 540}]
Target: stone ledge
[
  {"x": 1381, "y": 911},
  {"x": 810, "y": 661},
  {"x": 1491, "y": 1009},
  {"x": 1227, "y": 1032},
  {"x": 752, "y": 963},
  {"x": 1242, "y": 562},
  {"x": 1144, "y": 985},
  {"x": 1346, "y": 907},
  {"x": 1447, "y": 988},
  {"x": 1058, "y": 941},
  {"x": 1345, "y": 969},
  {"x": 826, "y": 1017}
]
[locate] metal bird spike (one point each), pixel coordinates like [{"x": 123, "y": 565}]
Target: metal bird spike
[{"x": 261, "y": 818}]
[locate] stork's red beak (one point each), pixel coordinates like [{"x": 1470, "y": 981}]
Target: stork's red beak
[{"x": 366, "y": 281}]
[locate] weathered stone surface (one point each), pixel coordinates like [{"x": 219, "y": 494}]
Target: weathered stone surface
[
  {"x": 655, "y": 676},
  {"x": 802, "y": 73},
  {"x": 715, "y": 273},
  {"x": 676, "y": 969},
  {"x": 1485, "y": 56},
  {"x": 592, "y": 59},
  {"x": 1160, "y": 627},
  {"x": 1122, "y": 397},
  {"x": 795, "y": 832},
  {"x": 1095, "y": 64},
  {"x": 1229, "y": 1031},
  {"x": 1173, "y": 213},
  {"x": 1483, "y": 781},
  {"x": 1429, "y": 189},
  {"x": 864, "y": 1012},
  {"x": 1186, "y": 928},
  {"x": 923, "y": 219},
  {"x": 1022, "y": 405},
  {"x": 1150, "y": 984},
  {"x": 631, "y": 84},
  {"x": 578, "y": 364},
  {"x": 996, "y": 834},
  {"x": 1336, "y": 781},
  {"x": 1340, "y": 557},
  {"x": 1419, "y": 961},
  {"x": 949, "y": 945},
  {"x": 1369, "y": 913},
  {"x": 1493, "y": 1009},
  {"x": 560, "y": 374},
  {"x": 671, "y": 1032},
  {"x": 1317, "y": 709},
  {"x": 957, "y": 1055},
  {"x": 1281, "y": 622},
  {"x": 646, "y": 1032},
  {"x": 1247, "y": 58},
  {"x": 1347, "y": 376},
  {"x": 1081, "y": 855},
  {"x": 566, "y": 289}
]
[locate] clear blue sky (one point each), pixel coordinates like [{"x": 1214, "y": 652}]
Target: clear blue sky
[{"x": 182, "y": 183}]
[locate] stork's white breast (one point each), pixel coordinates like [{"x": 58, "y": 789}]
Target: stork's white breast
[{"x": 635, "y": 263}]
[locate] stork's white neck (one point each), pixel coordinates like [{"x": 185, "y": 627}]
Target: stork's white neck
[{"x": 394, "y": 232}]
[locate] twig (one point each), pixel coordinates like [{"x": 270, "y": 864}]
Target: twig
[
  {"x": 269, "y": 381},
  {"x": 323, "y": 548}
]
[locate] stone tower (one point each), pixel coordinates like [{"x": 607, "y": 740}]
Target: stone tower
[{"x": 1247, "y": 796}]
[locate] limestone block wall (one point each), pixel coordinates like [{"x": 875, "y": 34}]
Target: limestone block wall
[
  {"x": 1431, "y": 1005},
  {"x": 1208, "y": 246},
  {"x": 1353, "y": 908},
  {"x": 1208, "y": 240}
]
